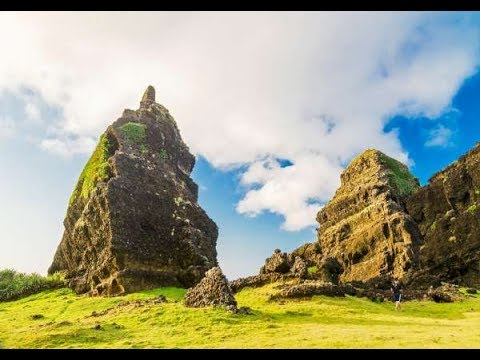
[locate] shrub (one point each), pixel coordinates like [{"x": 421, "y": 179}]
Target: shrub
[
  {"x": 15, "y": 285},
  {"x": 312, "y": 270},
  {"x": 134, "y": 132},
  {"x": 472, "y": 208}
]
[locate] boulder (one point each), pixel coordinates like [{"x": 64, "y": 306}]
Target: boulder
[
  {"x": 446, "y": 293},
  {"x": 212, "y": 290}
]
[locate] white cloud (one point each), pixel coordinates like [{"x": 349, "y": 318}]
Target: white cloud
[
  {"x": 313, "y": 88},
  {"x": 32, "y": 111},
  {"x": 287, "y": 191},
  {"x": 7, "y": 127},
  {"x": 440, "y": 136},
  {"x": 67, "y": 147}
]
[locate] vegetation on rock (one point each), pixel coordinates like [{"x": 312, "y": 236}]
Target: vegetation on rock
[
  {"x": 134, "y": 132},
  {"x": 400, "y": 176},
  {"x": 97, "y": 169},
  {"x": 472, "y": 208}
]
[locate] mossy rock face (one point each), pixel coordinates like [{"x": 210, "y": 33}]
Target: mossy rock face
[
  {"x": 399, "y": 176},
  {"x": 97, "y": 168},
  {"x": 124, "y": 230}
]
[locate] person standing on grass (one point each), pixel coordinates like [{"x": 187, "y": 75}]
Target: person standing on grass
[{"x": 397, "y": 294}]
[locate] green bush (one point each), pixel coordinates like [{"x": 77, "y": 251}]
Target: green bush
[
  {"x": 312, "y": 270},
  {"x": 134, "y": 133},
  {"x": 15, "y": 285}
]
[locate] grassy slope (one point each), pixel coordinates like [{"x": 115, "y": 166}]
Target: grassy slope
[{"x": 318, "y": 323}]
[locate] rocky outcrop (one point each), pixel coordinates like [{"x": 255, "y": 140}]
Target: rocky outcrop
[
  {"x": 259, "y": 280},
  {"x": 447, "y": 212},
  {"x": 299, "y": 268},
  {"x": 365, "y": 231},
  {"x": 446, "y": 293},
  {"x": 277, "y": 263},
  {"x": 133, "y": 221},
  {"x": 380, "y": 224},
  {"x": 309, "y": 289},
  {"x": 212, "y": 290}
]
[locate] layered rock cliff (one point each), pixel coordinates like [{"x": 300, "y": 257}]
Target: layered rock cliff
[
  {"x": 365, "y": 229},
  {"x": 133, "y": 220},
  {"x": 447, "y": 212},
  {"x": 381, "y": 225}
]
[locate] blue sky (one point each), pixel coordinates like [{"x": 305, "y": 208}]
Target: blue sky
[
  {"x": 274, "y": 105},
  {"x": 463, "y": 132}
]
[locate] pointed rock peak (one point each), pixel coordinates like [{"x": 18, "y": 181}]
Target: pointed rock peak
[
  {"x": 368, "y": 154},
  {"x": 148, "y": 96},
  {"x": 371, "y": 164}
]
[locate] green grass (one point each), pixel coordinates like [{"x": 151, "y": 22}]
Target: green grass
[
  {"x": 134, "y": 133},
  {"x": 321, "y": 322},
  {"x": 15, "y": 285},
  {"x": 97, "y": 169},
  {"x": 400, "y": 176}
]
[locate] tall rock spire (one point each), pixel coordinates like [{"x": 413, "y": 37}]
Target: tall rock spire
[
  {"x": 133, "y": 221},
  {"x": 148, "y": 97}
]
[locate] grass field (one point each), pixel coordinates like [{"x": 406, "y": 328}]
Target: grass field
[{"x": 61, "y": 319}]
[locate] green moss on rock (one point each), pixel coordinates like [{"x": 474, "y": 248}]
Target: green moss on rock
[
  {"x": 400, "y": 176},
  {"x": 472, "y": 208},
  {"x": 97, "y": 169},
  {"x": 134, "y": 133}
]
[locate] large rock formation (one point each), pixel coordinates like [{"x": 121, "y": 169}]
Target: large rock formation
[
  {"x": 447, "y": 212},
  {"x": 365, "y": 231},
  {"x": 133, "y": 221},
  {"x": 380, "y": 224}
]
